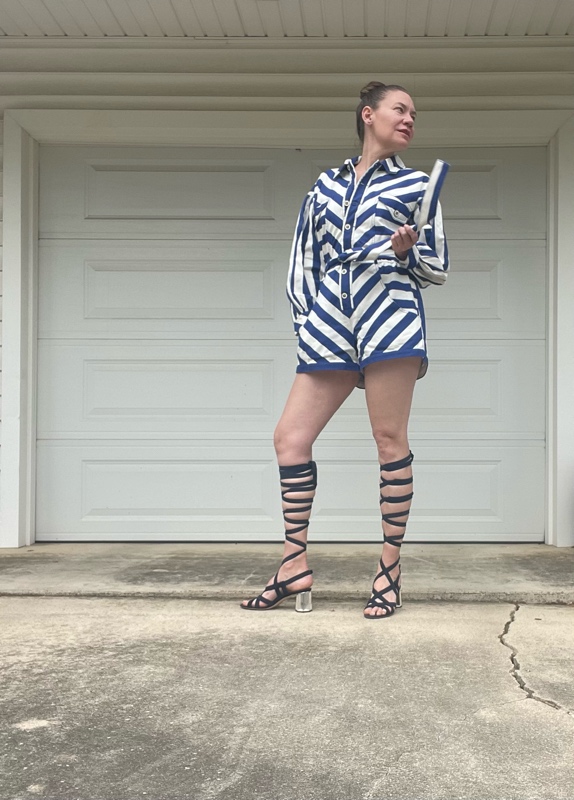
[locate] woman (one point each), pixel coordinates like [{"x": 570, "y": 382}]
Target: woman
[{"x": 358, "y": 315}]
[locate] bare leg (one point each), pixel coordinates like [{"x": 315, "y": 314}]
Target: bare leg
[
  {"x": 389, "y": 388},
  {"x": 313, "y": 400}
]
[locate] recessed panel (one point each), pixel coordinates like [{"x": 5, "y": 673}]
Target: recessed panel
[
  {"x": 493, "y": 290},
  {"x": 473, "y": 192},
  {"x": 472, "y": 388},
  {"x": 193, "y": 491},
  {"x": 121, "y": 389},
  {"x": 484, "y": 489},
  {"x": 190, "y": 189},
  {"x": 473, "y": 291},
  {"x": 211, "y": 490},
  {"x": 177, "y": 387},
  {"x": 350, "y": 491},
  {"x": 182, "y": 289},
  {"x": 172, "y": 290},
  {"x": 185, "y": 193},
  {"x": 175, "y": 489}
]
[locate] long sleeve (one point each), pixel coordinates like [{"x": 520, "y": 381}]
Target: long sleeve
[
  {"x": 304, "y": 265},
  {"x": 428, "y": 261}
]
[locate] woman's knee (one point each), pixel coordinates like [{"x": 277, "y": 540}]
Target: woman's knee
[
  {"x": 291, "y": 445},
  {"x": 391, "y": 444}
]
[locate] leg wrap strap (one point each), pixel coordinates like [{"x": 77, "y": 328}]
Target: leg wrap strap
[
  {"x": 397, "y": 519},
  {"x": 296, "y": 480}
]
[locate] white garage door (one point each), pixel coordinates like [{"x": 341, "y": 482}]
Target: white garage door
[{"x": 166, "y": 351}]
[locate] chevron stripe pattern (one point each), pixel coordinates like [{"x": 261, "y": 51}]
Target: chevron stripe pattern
[{"x": 353, "y": 301}]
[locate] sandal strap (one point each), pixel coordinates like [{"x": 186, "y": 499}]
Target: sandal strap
[
  {"x": 280, "y": 589},
  {"x": 378, "y": 599},
  {"x": 398, "y": 519},
  {"x": 295, "y": 479}
]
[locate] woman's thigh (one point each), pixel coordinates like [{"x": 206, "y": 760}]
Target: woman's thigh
[
  {"x": 313, "y": 400},
  {"x": 389, "y": 387}
]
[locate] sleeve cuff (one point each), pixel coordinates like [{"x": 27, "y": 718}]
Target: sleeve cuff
[{"x": 412, "y": 258}]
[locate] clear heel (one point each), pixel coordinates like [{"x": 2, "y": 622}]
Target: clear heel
[{"x": 304, "y": 602}]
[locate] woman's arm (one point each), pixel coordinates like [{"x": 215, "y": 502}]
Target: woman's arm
[
  {"x": 427, "y": 259},
  {"x": 304, "y": 265}
]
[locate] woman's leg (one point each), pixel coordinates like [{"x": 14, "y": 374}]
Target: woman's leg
[
  {"x": 313, "y": 400},
  {"x": 389, "y": 389}
]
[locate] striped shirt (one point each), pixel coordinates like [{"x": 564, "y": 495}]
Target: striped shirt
[{"x": 344, "y": 220}]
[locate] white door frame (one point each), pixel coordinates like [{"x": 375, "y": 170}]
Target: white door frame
[{"x": 24, "y": 129}]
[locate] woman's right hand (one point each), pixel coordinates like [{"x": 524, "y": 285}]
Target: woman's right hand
[{"x": 403, "y": 240}]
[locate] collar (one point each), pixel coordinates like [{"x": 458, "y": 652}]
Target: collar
[{"x": 390, "y": 164}]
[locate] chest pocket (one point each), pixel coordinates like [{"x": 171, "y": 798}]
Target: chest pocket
[
  {"x": 400, "y": 213},
  {"x": 319, "y": 214}
]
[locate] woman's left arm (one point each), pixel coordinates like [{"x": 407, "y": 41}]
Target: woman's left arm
[{"x": 427, "y": 258}]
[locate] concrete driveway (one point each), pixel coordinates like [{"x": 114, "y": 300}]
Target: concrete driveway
[{"x": 125, "y": 698}]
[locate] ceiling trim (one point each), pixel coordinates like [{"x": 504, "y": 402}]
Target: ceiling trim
[
  {"x": 322, "y": 129},
  {"x": 274, "y": 104},
  {"x": 287, "y": 43}
]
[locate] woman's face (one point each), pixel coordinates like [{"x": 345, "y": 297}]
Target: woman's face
[{"x": 392, "y": 122}]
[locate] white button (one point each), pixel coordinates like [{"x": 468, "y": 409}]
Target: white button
[
  {"x": 344, "y": 271},
  {"x": 344, "y": 295},
  {"x": 346, "y": 202},
  {"x": 396, "y": 213},
  {"x": 347, "y": 227}
]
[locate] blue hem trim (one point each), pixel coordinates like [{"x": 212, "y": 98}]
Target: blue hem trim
[
  {"x": 328, "y": 367},
  {"x": 399, "y": 354}
]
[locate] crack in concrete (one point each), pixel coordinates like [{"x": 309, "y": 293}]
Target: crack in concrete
[{"x": 515, "y": 671}]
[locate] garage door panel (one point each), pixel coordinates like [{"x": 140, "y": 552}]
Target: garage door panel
[
  {"x": 481, "y": 190},
  {"x": 479, "y": 387},
  {"x": 113, "y": 192},
  {"x": 457, "y": 487},
  {"x": 242, "y": 387},
  {"x": 196, "y": 491},
  {"x": 494, "y": 289},
  {"x": 138, "y": 489},
  {"x": 87, "y": 289},
  {"x": 158, "y": 188},
  {"x": 177, "y": 388},
  {"x": 472, "y": 387}
]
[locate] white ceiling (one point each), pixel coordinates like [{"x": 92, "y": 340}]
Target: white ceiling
[{"x": 285, "y": 18}]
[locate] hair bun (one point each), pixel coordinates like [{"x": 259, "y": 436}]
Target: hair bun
[{"x": 369, "y": 88}]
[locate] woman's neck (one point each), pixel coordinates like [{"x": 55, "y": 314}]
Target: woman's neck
[{"x": 368, "y": 158}]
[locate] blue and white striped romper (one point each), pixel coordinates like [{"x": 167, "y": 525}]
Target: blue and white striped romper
[{"x": 353, "y": 300}]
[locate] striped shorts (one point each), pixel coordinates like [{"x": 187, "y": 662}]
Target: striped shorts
[{"x": 364, "y": 312}]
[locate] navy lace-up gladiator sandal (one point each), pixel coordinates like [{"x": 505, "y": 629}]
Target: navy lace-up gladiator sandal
[
  {"x": 300, "y": 479},
  {"x": 383, "y": 598}
]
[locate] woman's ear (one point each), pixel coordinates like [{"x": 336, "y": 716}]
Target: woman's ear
[{"x": 368, "y": 115}]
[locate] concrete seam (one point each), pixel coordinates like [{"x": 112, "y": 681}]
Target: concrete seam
[
  {"x": 515, "y": 671},
  {"x": 322, "y": 595}
]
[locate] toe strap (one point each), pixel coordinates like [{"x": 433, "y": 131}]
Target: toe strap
[{"x": 378, "y": 599}]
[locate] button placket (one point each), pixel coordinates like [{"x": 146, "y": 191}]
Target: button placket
[{"x": 345, "y": 287}]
